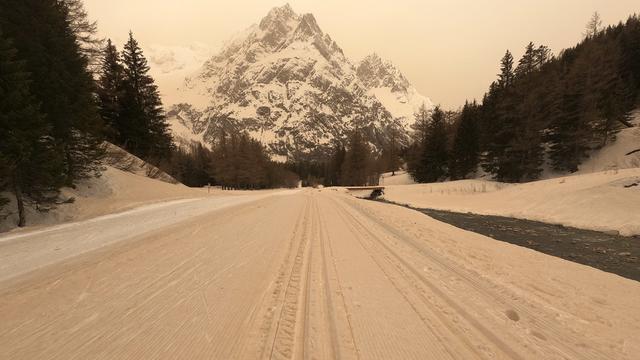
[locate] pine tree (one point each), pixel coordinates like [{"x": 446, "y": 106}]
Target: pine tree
[
  {"x": 61, "y": 82},
  {"x": 630, "y": 48},
  {"x": 498, "y": 157},
  {"x": 357, "y": 163},
  {"x": 528, "y": 62},
  {"x": 421, "y": 123},
  {"x": 507, "y": 74},
  {"x": 390, "y": 160},
  {"x": 85, "y": 32},
  {"x": 334, "y": 177},
  {"x": 29, "y": 164},
  {"x": 243, "y": 162},
  {"x": 615, "y": 96},
  {"x": 110, "y": 91},
  {"x": 488, "y": 126},
  {"x": 143, "y": 128},
  {"x": 569, "y": 133},
  {"x": 466, "y": 147},
  {"x": 222, "y": 161},
  {"x": 542, "y": 56},
  {"x": 434, "y": 159},
  {"x": 526, "y": 153}
]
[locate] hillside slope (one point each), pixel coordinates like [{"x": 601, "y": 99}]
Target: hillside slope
[{"x": 116, "y": 190}]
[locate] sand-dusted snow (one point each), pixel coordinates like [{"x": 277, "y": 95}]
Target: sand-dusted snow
[
  {"x": 604, "y": 201},
  {"x": 314, "y": 274}
]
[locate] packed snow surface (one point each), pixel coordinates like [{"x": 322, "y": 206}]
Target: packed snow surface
[
  {"x": 603, "y": 201},
  {"x": 314, "y": 274},
  {"x": 42, "y": 247}
]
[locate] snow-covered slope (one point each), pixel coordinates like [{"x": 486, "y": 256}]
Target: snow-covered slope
[
  {"x": 127, "y": 182},
  {"x": 314, "y": 93},
  {"x": 183, "y": 129},
  {"x": 599, "y": 201},
  {"x": 170, "y": 65},
  {"x": 119, "y": 158},
  {"x": 384, "y": 81},
  {"x": 614, "y": 156},
  {"x": 116, "y": 190}
]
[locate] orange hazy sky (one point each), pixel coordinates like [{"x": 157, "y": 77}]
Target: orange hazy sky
[{"x": 448, "y": 49}]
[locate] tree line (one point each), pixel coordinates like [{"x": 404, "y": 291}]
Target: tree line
[
  {"x": 354, "y": 163},
  {"x": 50, "y": 128},
  {"x": 542, "y": 109},
  {"x": 236, "y": 162},
  {"x": 63, "y": 93}
]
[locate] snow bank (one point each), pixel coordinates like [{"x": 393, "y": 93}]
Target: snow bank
[
  {"x": 604, "y": 201},
  {"x": 116, "y": 190},
  {"x": 400, "y": 178},
  {"x": 32, "y": 249}
]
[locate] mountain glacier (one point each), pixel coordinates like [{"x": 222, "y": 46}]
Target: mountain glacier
[{"x": 290, "y": 85}]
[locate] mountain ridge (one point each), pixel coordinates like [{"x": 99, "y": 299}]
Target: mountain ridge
[{"x": 316, "y": 96}]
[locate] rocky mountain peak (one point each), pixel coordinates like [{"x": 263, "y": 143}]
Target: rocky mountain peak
[
  {"x": 374, "y": 72},
  {"x": 314, "y": 92},
  {"x": 309, "y": 26},
  {"x": 278, "y": 15}
]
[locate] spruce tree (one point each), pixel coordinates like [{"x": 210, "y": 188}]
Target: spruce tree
[
  {"x": 421, "y": 123},
  {"x": 143, "y": 128},
  {"x": 630, "y": 48},
  {"x": 61, "y": 81},
  {"x": 357, "y": 163},
  {"x": 466, "y": 147},
  {"x": 499, "y": 159},
  {"x": 434, "y": 159},
  {"x": 528, "y": 62},
  {"x": 615, "y": 95},
  {"x": 30, "y": 166},
  {"x": 413, "y": 154},
  {"x": 507, "y": 74},
  {"x": 390, "y": 159},
  {"x": 110, "y": 91},
  {"x": 85, "y": 32},
  {"x": 335, "y": 166},
  {"x": 222, "y": 162}
]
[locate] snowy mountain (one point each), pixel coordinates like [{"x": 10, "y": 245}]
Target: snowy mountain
[
  {"x": 310, "y": 94},
  {"x": 384, "y": 81}
]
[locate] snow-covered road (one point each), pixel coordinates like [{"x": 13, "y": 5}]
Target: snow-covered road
[
  {"x": 315, "y": 274},
  {"x": 27, "y": 251}
]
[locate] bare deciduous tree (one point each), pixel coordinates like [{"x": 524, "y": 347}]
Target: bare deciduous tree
[{"x": 594, "y": 26}]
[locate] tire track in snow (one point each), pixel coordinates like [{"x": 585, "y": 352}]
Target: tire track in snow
[
  {"x": 442, "y": 348},
  {"x": 332, "y": 334},
  {"x": 288, "y": 340},
  {"x": 537, "y": 322}
]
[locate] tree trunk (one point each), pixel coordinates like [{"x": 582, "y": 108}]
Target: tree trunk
[{"x": 17, "y": 191}]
